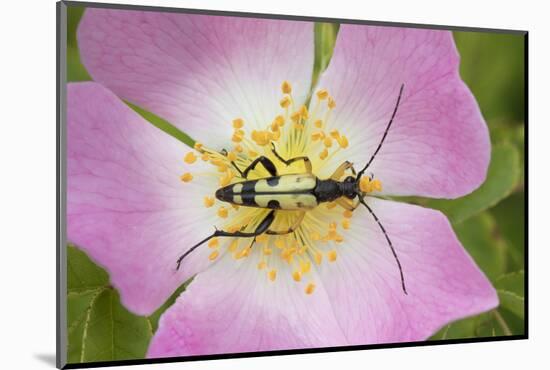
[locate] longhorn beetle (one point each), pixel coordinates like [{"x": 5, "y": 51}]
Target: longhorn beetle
[{"x": 298, "y": 192}]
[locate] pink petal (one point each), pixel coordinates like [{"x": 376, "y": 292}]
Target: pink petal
[
  {"x": 199, "y": 72},
  {"x": 233, "y": 307},
  {"x": 442, "y": 281},
  {"x": 438, "y": 145},
  {"x": 126, "y": 205}
]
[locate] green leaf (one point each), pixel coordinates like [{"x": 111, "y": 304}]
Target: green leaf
[
  {"x": 75, "y": 69},
  {"x": 502, "y": 177},
  {"x": 162, "y": 124},
  {"x": 507, "y": 319},
  {"x": 489, "y": 251},
  {"x": 493, "y": 66},
  {"x": 99, "y": 327},
  {"x": 510, "y": 216},
  {"x": 325, "y": 39},
  {"x": 82, "y": 274},
  {"x": 155, "y": 316},
  {"x": 510, "y": 288}
]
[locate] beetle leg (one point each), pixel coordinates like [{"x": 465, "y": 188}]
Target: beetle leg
[
  {"x": 262, "y": 227},
  {"x": 291, "y": 229},
  {"x": 288, "y": 162},
  {"x": 266, "y": 162},
  {"x": 342, "y": 169}
]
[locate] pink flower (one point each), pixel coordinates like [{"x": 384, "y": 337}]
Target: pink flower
[{"x": 219, "y": 80}]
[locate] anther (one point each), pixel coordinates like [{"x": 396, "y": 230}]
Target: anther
[
  {"x": 222, "y": 212},
  {"x": 310, "y": 288},
  {"x": 322, "y": 94},
  {"x": 238, "y": 123},
  {"x": 186, "y": 177},
  {"x": 272, "y": 275},
  {"x": 213, "y": 255},
  {"x": 190, "y": 158},
  {"x": 208, "y": 201},
  {"x": 286, "y": 87},
  {"x": 285, "y": 102}
]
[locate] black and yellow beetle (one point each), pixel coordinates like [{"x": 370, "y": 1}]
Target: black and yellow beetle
[{"x": 299, "y": 192}]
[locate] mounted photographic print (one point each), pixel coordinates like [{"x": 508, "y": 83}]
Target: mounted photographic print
[{"x": 236, "y": 184}]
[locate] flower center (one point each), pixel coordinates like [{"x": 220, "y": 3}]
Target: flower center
[{"x": 319, "y": 233}]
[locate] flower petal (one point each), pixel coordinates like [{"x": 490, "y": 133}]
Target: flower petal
[
  {"x": 126, "y": 205},
  {"x": 438, "y": 144},
  {"x": 232, "y": 307},
  {"x": 198, "y": 72},
  {"x": 442, "y": 281}
]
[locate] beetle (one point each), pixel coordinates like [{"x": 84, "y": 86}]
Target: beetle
[{"x": 299, "y": 192}]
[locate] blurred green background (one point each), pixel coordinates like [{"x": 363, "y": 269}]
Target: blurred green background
[{"x": 489, "y": 222}]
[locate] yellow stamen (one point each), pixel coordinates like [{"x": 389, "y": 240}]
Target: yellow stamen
[
  {"x": 304, "y": 112},
  {"x": 365, "y": 185},
  {"x": 223, "y": 212},
  {"x": 262, "y": 265},
  {"x": 238, "y": 148},
  {"x": 343, "y": 142},
  {"x": 226, "y": 179},
  {"x": 335, "y": 134},
  {"x": 305, "y": 267},
  {"x": 310, "y": 288},
  {"x": 238, "y": 123},
  {"x": 280, "y": 120},
  {"x": 297, "y": 275},
  {"x": 286, "y": 87},
  {"x": 234, "y": 244},
  {"x": 331, "y": 103},
  {"x": 279, "y": 243},
  {"x": 232, "y": 156},
  {"x": 272, "y": 275},
  {"x": 322, "y": 94},
  {"x": 213, "y": 243},
  {"x": 377, "y": 185},
  {"x": 261, "y": 238},
  {"x": 252, "y": 153},
  {"x": 198, "y": 146},
  {"x": 242, "y": 254},
  {"x": 261, "y": 137},
  {"x": 319, "y": 135},
  {"x": 318, "y": 123},
  {"x": 190, "y": 158},
  {"x": 208, "y": 201},
  {"x": 213, "y": 255},
  {"x": 324, "y": 154},
  {"x": 348, "y": 213},
  {"x": 296, "y": 116},
  {"x": 236, "y": 138},
  {"x": 268, "y": 251},
  {"x": 327, "y": 142},
  {"x": 285, "y": 102},
  {"x": 186, "y": 177},
  {"x": 346, "y": 223},
  {"x": 331, "y": 205},
  {"x": 205, "y": 157},
  {"x": 318, "y": 258},
  {"x": 315, "y": 236},
  {"x": 331, "y": 255}
]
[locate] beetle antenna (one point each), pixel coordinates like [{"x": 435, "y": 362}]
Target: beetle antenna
[
  {"x": 385, "y": 133},
  {"x": 362, "y": 200},
  {"x": 216, "y": 233}
]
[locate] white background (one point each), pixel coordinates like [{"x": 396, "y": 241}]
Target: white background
[{"x": 27, "y": 196}]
